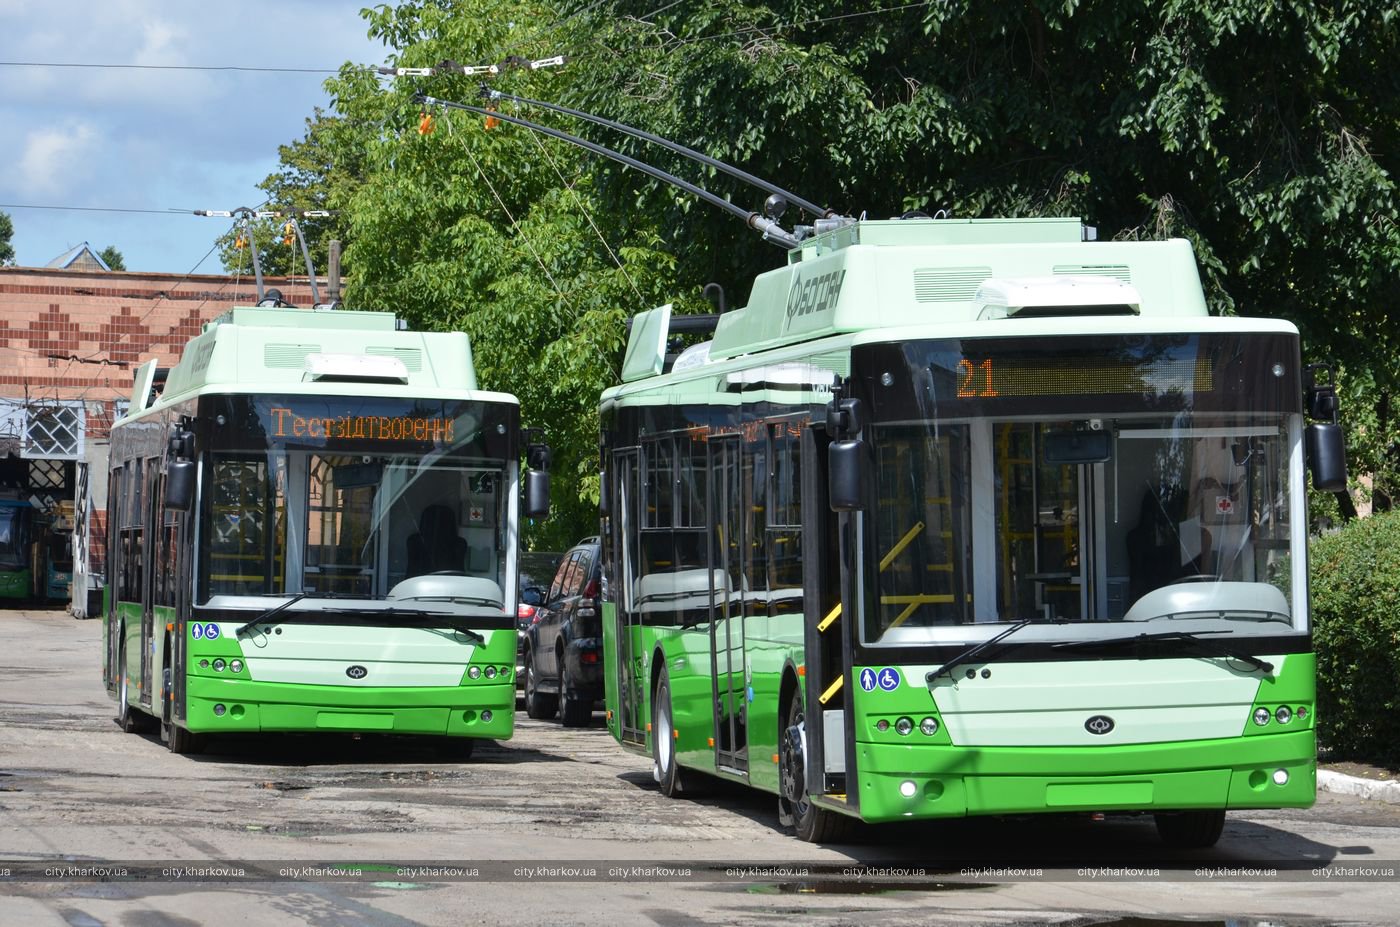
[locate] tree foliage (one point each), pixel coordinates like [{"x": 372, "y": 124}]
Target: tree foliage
[
  {"x": 112, "y": 258},
  {"x": 7, "y": 231},
  {"x": 1264, "y": 133}
]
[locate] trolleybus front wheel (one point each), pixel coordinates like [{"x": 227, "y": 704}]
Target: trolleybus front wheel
[
  {"x": 177, "y": 739},
  {"x": 1191, "y": 829},
  {"x": 813, "y": 824}
]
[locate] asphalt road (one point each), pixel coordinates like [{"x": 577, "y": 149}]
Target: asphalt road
[{"x": 561, "y": 826}]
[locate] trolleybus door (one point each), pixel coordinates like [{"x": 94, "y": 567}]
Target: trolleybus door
[
  {"x": 630, "y": 675},
  {"x": 726, "y": 602}
]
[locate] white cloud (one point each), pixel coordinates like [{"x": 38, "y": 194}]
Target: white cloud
[{"x": 52, "y": 159}]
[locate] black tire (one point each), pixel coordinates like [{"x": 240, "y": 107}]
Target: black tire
[
  {"x": 812, "y": 824},
  {"x": 576, "y": 712},
  {"x": 127, "y": 719},
  {"x": 538, "y": 705},
  {"x": 665, "y": 770},
  {"x": 455, "y": 749},
  {"x": 177, "y": 739},
  {"x": 1191, "y": 830}
]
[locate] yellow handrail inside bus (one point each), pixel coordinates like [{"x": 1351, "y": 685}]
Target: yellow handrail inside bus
[{"x": 895, "y": 551}]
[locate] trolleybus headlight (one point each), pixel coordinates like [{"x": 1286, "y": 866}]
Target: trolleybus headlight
[
  {"x": 219, "y": 665},
  {"x": 1283, "y": 715},
  {"x": 235, "y": 666},
  {"x": 882, "y": 725},
  {"x": 474, "y": 672},
  {"x": 1280, "y": 777},
  {"x": 1302, "y": 712},
  {"x": 490, "y": 672},
  {"x": 219, "y": 709},
  {"x": 928, "y": 727},
  {"x": 908, "y": 788},
  {"x": 505, "y": 672},
  {"x": 903, "y": 726},
  {"x": 1261, "y": 716},
  {"x": 486, "y": 716},
  {"x": 203, "y": 664}
]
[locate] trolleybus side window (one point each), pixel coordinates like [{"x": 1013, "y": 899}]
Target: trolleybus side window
[{"x": 785, "y": 520}]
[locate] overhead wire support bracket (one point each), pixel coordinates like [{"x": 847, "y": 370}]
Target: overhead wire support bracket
[
  {"x": 770, "y": 229},
  {"x": 820, "y": 212}
]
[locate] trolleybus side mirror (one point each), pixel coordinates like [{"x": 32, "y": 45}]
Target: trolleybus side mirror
[
  {"x": 846, "y": 457},
  {"x": 536, "y": 493},
  {"x": 1327, "y": 457},
  {"x": 846, "y": 473},
  {"x": 1326, "y": 449},
  {"x": 179, "y": 485},
  {"x": 536, "y": 479},
  {"x": 179, "y": 470}
]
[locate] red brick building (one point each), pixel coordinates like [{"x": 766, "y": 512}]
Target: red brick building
[{"x": 70, "y": 339}]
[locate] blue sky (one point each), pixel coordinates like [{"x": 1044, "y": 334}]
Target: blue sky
[{"x": 156, "y": 139}]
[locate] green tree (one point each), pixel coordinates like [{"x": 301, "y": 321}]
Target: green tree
[
  {"x": 1147, "y": 119},
  {"x": 7, "y": 231},
  {"x": 113, "y": 258},
  {"x": 495, "y": 232}
]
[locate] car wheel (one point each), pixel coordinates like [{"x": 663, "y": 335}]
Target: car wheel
[
  {"x": 577, "y": 712},
  {"x": 538, "y": 705}
]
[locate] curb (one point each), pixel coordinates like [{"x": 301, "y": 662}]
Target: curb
[{"x": 1386, "y": 791}]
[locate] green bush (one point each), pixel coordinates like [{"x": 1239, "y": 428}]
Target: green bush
[{"x": 1356, "y": 633}]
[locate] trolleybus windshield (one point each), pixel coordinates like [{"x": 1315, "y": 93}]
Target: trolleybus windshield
[
  {"x": 365, "y": 498},
  {"x": 1102, "y": 485}
]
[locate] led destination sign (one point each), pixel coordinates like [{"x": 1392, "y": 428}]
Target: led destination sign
[
  {"x": 286, "y": 423},
  {"x": 997, "y": 377}
]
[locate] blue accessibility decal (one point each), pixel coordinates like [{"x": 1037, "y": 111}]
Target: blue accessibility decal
[
  {"x": 211, "y": 631},
  {"x": 888, "y": 679},
  {"x": 867, "y": 679},
  {"x": 197, "y": 630}
]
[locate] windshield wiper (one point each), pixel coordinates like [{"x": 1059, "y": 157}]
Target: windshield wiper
[
  {"x": 1192, "y": 639},
  {"x": 274, "y": 611},
  {"x": 457, "y": 623},
  {"x": 973, "y": 651}
]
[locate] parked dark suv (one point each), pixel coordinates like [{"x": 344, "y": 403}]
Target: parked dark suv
[
  {"x": 564, "y": 643},
  {"x": 537, "y": 569}
]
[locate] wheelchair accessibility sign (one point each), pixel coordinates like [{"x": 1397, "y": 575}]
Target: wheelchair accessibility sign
[{"x": 885, "y": 678}]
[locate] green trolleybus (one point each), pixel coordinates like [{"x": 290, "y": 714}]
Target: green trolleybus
[
  {"x": 313, "y": 528},
  {"x": 969, "y": 518}
]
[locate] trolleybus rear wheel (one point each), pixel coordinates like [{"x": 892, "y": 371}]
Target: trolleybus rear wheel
[
  {"x": 126, "y": 717},
  {"x": 813, "y": 824},
  {"x": 1191, "y": 829}
]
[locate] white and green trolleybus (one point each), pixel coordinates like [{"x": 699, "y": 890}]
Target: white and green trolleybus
[
  {"x": 313, "y": 527},
  {"x": 969, "y": 517}
]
